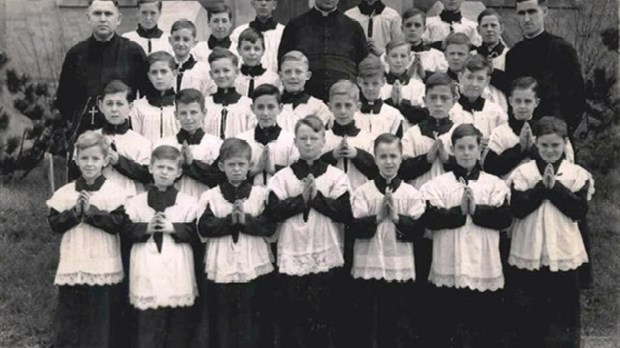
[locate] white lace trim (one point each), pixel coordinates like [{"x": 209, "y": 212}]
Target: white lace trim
[
  {"x": 465, "y": 281},
  {"x": 389, "y": 275},
  {"x": 85, "y": 278},
  {"x": 153, "y": 302},
  {"x": 311, "y": 263},
  {"x": 554, "y": 265},
  {"x": 239, "y": 277}
]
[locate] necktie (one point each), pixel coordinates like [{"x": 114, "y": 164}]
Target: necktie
[{"x": 223, "y": 123}]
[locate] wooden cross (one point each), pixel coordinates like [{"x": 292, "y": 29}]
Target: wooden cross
[{"x": 93, "y": 111}]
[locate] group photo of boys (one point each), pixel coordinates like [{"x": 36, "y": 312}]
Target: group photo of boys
[{"x": 360, "y": 175}]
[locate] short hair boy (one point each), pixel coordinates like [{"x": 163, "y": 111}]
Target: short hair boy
[
  {"x": 297, "y": 104},
  {"x": 148, "y": 35},
  {"x": 450, "y": 20},
  {"x": 430, "y": 59},
  {"x": 228, "y": 112},
  {"x": 251, "y": 47},
  {"x": 191, "y": 71},
  {"x": 219, "y": 18}
]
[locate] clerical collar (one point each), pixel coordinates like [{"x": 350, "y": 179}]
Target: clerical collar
[
  {"x": 539, "y": 35},
  {"x": 295, "y": 98},
  {"x": 213, "y": 42},
  {"x": 112, "y": 38},
  {"x": 382, "y": 184},
  {"x": 516, "y": 125},
  {"x": 541, "y": 164},
  {"x": 186, "y": 64},
  {"x": 491, "y": 52},
  {"x": 112, "y": 129},
  {"x": 371, "y": 9},
  {"x": 263, "y": 26},
  {"x": 349, "y": 129},
  {"x": 370, "y": 107},
  {"x": 191, "y": 139},
  {"x": 253, "y": 71},
  {"x": 391, "y": 78},
  {"x": 472, "y": 106},
  {"x": 160, "y": 100},
  {"x": 267, "y": 134},
  {"x": 301, "y": 169},
  {"x": 432, "y": 127},
  {"x": 82, "y": 185},
  {"x": 325, "y": 13},
  {"x": 232, "y": 193},
  {"x": 226, "y": 96},
  {"x": 420, "y": 47},
  {"x": 451, "y": 17},
  {"x": 153, "y": 33},
  {"x": 160, "y": 200},
  {"x": 461, "y": 173}
]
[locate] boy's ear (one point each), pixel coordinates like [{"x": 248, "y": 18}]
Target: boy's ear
[
  {"x": 536, "y": 102},
  {"x": 100, "y": 104},
  {"x": 151, "y": 168},
  {"x": 308, "y": 75},
  {"x": 220, "y": 165},
  {"x": 179, "y": 172}
]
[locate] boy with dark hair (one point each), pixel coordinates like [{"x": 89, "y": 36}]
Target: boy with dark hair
[
  {"x": 251, "y": 47},
  {"x": 219, "y": 16},
  {"x": 148, "y": 35}
]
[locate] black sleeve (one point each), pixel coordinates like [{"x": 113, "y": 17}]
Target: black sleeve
[
  {"x": 287, "y": 41},
  {"x": 338, "y": 210},
  {"x": 567, "y": 97},
  {"x": 365, "y": 163},
  {"x": 328, "y": 157},
  {"x": 523, "y": 203},
  {"x": 363, "y": 228},
  {"x": 413, "y": 114},
  {"x": 413, "y": 167},
  {"x": 133, "y": 170},
  {"x": 496, "y": 218},
  {"x": 136, "y": 232},
  {"x": 208, "y": 174},
  {"x": 67, "y": 97},
  {"x": 502, "y": 164},
  {"x": 111, "y": 222},
  {"x": 258, "y": 226},
  {"x": 185, "y": 232},
  {"x": 442, "y": 218},
  {"x": 409, "y": 229},
  {"x": 280, "y": 210},
  {"x": 211, "y": 226},
  {"x": 62, "y": 222},
  {"x": 572, "y": 204}
]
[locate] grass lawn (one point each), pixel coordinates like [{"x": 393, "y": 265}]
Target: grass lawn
[{"x": 29, "y": 253}]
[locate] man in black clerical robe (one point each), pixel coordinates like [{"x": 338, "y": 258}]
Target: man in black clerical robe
[
  {"x": 92, "y": 63},
  {"x": 334, "y": 44},
  {"x": 552, "y": 61}
]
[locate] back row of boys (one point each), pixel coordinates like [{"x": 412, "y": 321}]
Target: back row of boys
[{"x": 309, "y": 198}]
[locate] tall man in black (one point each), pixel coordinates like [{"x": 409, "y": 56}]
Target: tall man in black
[
  {"x": 552, "y": 61},
  {"x": 333, "y": 43},
  {"x": 91, "y": 64}
]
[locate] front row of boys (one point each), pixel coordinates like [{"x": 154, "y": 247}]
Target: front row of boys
[{"x": 309, "y": 199}]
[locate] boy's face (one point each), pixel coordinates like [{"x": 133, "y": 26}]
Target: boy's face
[
  {"x": 388, "y": 158},
  {"x": 490, "y": 29},
  {"x": 165, "y": 171},
  {"x": 371, "y": 86},
  {"x": 91, "y": 161},
  {"x": 266, "y": 108},
  {"x": 399, "y": 59},
  {"x": 309, "y": 142},
  {"x": 294, "y": 75},
  {"x": 523, "y": 103},
  {"x": 223, "y": 72},
  {"x": 148, "y": 15},
  {"x": 190, "y": 116},
  {"x": 264, "y": 8},
  {"x": 103, "y": 17},
  {"x": 466, "y": 151},
  {"x": 531, "y": 17},
  {"x": 452, "y": 5},
  {"x": 251, "y": 53},
  {"x": 236, "y": 168},
  {"x": 161, "y": 76},
  {"x": 439, "y": 100},
  {"x": 413, "y": 28},
  {"x": 220, "y": 25},
  {"x": 182, "y": 42},
  {"x": 472, "y": 83},
  {"x": 343, "y": 107},
  {"x": 550, "y": 147},
  {"x": 115, "y": 107},
  {"x": 456, "y": 55}
]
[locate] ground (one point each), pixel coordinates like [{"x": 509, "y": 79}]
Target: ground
[{"x": 29, "y": 255}]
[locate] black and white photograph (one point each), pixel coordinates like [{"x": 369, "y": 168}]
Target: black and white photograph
[{"x": 309, "y": 174}]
